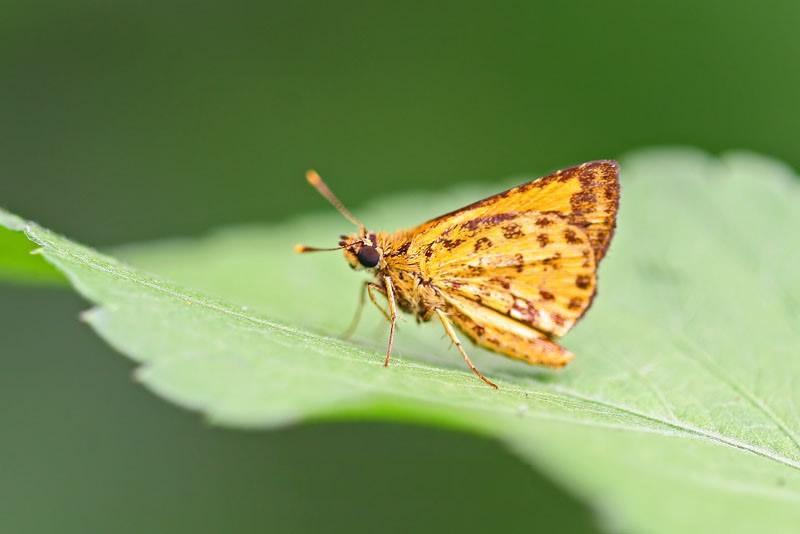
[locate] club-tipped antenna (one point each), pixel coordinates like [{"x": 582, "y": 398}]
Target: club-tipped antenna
[
  {"x": 316, "y": 181},
  {"x": 300, "y": 249}
]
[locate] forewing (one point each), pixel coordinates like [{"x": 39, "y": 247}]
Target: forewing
[
  {"x": 587, "y": 195},
  {"x": 533, "y": 267}
]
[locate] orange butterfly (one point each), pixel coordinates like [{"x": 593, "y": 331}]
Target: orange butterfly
[{"x": 513, "y": 271}]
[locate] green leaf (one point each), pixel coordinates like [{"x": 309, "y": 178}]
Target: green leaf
[
  {"x": 681, "y": 411},
  {"x": 19, "y": 259}
]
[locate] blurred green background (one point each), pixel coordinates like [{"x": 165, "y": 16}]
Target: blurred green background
[{"x": 124, "y": 121}]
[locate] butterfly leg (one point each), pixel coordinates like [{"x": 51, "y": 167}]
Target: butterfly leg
[
  {"x": 347, "y": 334},
  {"x": 448, "y": 327},
  {"x": 372, "y": 286},
  {"x": 366, "y": 288},
  {"x": 392, "y": 317}
]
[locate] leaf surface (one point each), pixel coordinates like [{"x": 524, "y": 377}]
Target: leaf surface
[{"x": 681, "y": 411}]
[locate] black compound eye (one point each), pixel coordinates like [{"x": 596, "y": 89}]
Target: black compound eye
[{"x": 368, "y": 256}]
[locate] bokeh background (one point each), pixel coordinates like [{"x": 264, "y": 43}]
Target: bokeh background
[{"x": 125, "y": 121}]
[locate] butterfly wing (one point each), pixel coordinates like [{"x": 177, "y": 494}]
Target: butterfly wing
[
  {"x": 533, "y": 267},
  {"x": 502, "y": 334},
  {"x": 519, "y": 267},
  {"x": 587, "y": 195}
]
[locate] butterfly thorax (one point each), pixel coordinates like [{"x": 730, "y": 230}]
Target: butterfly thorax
[
  {"x": 415, "y": 292},
  {"x": 389, "y": 255}
]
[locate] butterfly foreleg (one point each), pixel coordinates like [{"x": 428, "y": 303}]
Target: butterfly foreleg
[
  {"x": 448, "y": 328},
  {"x": 392, "y": 317},
  {"x": 371, "y": 286},
  {"x": 367, "y": 288}
]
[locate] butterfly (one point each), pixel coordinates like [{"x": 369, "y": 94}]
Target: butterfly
[{"x": 513, "y": 272}]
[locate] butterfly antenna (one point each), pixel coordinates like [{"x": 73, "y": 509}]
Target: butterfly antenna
[
  {"x": 300, "y": 249},
  {"x": 316, "y": 181}
]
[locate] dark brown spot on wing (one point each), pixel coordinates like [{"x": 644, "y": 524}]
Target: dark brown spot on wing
[
  {"x": 488, "y": 221},
  {"x": 476, "y": 270},
  {"x": 577, "y": 219},
  {"x": 553, "y": 262},
  {"x": 483, "y": 243},
  {"x": 567, "y": 174},
  {"x": 543, "y": 221},
  {"x": 583, "y": 201},
  {"x": 502, "y": 281},
  {"x": 543, "y": 240},
  {"x": 583, "y": 281},
  {"x": 518, "y": 262},
  {"x": 512, "y": 231},
  {"x": 524, "y": 311},
  {"x": 575, "y": 303},
  {"x": 546, "y": 295},
  {"x": 450, "y": 244},
  {"x": 585, "y": 253},
  {"x": 572, "y": 237}
]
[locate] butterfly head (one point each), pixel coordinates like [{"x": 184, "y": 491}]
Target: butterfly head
[
  {"x": 361, "y": 252},
  {"x": 361, "y": 249}
]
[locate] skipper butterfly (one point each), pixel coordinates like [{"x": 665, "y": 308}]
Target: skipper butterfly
[{"x": 513, "y": 272}]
